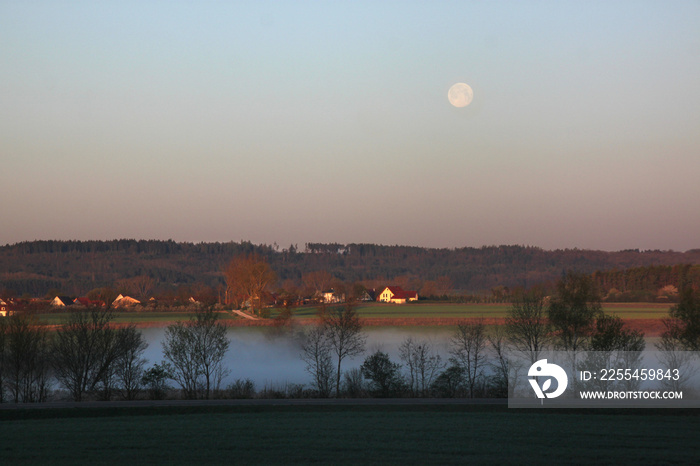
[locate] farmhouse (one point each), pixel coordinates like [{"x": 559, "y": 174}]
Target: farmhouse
[
  {"x": 396, "y": 294},
  {"x": 125, "y": 301},
  {"x": 3, "y": 308},
  {"x": 62, "y": 301}
]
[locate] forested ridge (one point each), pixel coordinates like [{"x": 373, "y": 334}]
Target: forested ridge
[{"x": 75, "y": 267}]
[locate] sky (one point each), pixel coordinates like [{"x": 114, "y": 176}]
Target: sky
[{"x": 291, "y": 122}]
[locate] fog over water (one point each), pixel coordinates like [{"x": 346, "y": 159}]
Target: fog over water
[{"x": 272, "y": 359}]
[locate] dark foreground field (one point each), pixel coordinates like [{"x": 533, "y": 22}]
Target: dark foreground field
[{"x": 346, "y": 434}]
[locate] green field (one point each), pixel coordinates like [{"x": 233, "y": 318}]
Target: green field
[
  {"x": 423, "y": 434},
  {"x": 57, "y": 318},
  {"x": 385, "y": 311},
  {"x": 466, "y": 311},
  {"x": 434, "y": 310},
  {"x": 638, "y": 310}
]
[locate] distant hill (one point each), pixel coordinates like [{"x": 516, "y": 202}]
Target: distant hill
[{"x": 74, "y": 267}]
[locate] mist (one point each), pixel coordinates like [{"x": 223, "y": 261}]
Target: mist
[{"x": 272, "y": 359}]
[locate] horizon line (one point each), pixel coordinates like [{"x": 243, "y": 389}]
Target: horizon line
[{"x": 275, "y": 246}]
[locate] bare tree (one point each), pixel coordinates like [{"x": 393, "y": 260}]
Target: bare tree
[
  {"x": 501, "y": 381},
  {"x": 84, "y": 351},
  {"x": 87, "y": 352},
  {"x": 573, "y": 311},
  {"x": 422, "y": 363},
  {"x": 105, "y": 295},
  {"x": 444, "y": 285},
  {"x": 129, "y": 365},
  {"x": 317, "y": 281},
  {"x": 316, "y": 353},
  {"x": 612, "y": 347},
  {"x": 468, "y": 344},
  {"x": 140, "y": 286},
  {"x": 674, "y": 356},
  {"x": 3, "y": 358},
  {"x": 429, "y": 288},
  {"x": 345, "y": 336},
  {"x": 248, "y": 277},
  {"x": 179, "y": 349},
  {"x": 528, "y": 328},
  {"x": 680, "y": 339},
  {"x": 214, "y": 344},
  {"x": 26, "y": 359},
  {"x": 683, "y": 322},
  {"x": 196, "y": 349}
]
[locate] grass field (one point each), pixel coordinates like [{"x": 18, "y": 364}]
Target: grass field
[
  {"x": 421, "y": 434},
  {"x": 440, "y": 310},
  {"x": 466, "y": 311},
  {"x": 57, "y": 318},
  {"x": 407, "y": 314}
]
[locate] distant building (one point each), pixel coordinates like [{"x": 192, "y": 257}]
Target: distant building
[
  {"x": 62, "y": 301},
  {"x": 125, "y": 301},
  {"x": 366, "y": 296},
  {"x": 9, "y": 306},
  {"x": 397, "y": 295},
  {"x": 88, "y": 302},
  {"x": 332, "y": 297}
]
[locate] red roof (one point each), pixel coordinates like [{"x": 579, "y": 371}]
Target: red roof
[
  {"x": 88, "y": 302},
  {"x": 400, "y": 293}
]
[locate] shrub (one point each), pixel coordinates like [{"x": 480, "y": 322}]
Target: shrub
[
  {"x": 155, "y": 380},
  {"x": 384, "y": 376},
  {"x": 241, "y": 389},
  {"x": 353, "y": 384}
]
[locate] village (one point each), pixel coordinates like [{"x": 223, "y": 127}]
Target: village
[{"x": 390, "y": 294}]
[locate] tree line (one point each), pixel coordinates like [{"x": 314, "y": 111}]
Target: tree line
[
  {"x": 91, "y": 358},
  {"x": 650, "y": 283},
  {"x": 76, "y": 267}
]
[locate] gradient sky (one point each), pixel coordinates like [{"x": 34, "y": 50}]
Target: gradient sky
[{"x": 295, "y": 122}]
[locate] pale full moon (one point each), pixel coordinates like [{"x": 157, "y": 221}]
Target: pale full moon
[{"x": 460, "y": 95}]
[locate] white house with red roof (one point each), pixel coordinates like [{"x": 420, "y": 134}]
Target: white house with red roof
[{"x": 396, "y": 294}]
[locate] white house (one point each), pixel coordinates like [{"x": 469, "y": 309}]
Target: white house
[
  {"x": 397, "y": 295},
  {"x": 331, "y": 297},
  {"x": 62, "y": 301},
  {"x": 125, "y": 301}
]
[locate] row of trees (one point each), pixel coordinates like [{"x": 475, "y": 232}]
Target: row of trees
[
  {"x": 483, "y": 360},
  {"x": 339, "y": 335},
  {"x": 90, "y": 356},
  {"x": 195, "y": 351},
  {"x": 85, "y": 355},
  {"x": 649, "y": 283}
]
